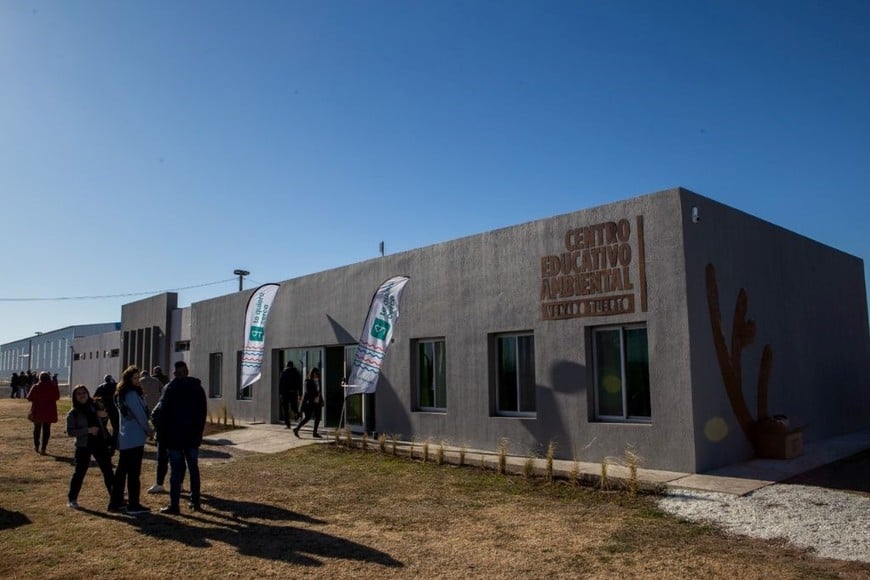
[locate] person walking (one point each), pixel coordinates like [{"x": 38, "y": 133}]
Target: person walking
[
  {"x": 151, "y": 389},
  {"x": 133, "y": 429},
  {"x": 312, "y": 402},
  {"x": 105, "y": 393},
  {"x": 157, "y": 373},
  {"x": 289, "y": 387},
  {"x": 84, "y": 422},
  {"x": 43, "y": 397},
  {"x": 13, "y": 386},
  {"x": 181, "y": 416},
  {"x": 162, "y": 452}
]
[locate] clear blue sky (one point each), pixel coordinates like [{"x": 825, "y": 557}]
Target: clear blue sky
[{"x": 158, "y": 145}]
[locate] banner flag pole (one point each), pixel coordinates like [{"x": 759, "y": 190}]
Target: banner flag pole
[
  {"x": 375, "y": 337},
  {"x": 256, "y": 314}
]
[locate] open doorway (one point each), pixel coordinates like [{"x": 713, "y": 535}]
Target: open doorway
[{"x": 334, "y": 364}]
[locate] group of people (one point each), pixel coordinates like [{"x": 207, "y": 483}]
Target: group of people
[
  {"x": 289, "y": 391},
  {"x": 138, "y": 408},
  {"x": 20, "y": 384},
  {"x": 123, "y": 416}
]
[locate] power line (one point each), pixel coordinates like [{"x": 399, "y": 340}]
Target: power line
[{"x": 57, "y": 299}]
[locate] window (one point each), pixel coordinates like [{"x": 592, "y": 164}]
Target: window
[
  {"x": 431, "y": 375},
  {"x": 621, "y": 373},
  {"x": 247, "y": 393},
  {"x": 115, "y": 352},
  {"x": 515, "y": 374},
  {"x": 215, "y": 372},
  {"x": 182, "y": 345}
]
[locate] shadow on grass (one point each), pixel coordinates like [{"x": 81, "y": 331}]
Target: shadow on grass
[
  {"x": 66, "y": 459},
  {"x": 230, "y": 522},
  {"x": 204, "y": 453},
  {"x": 9, "y": 520}
]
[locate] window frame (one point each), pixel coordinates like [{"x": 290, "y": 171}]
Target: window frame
[
  {"x": 215, "y": 383},
  {"x": 418, "y": 369},
  {"x": 518, "y": 387},
  {"x": 624, "y": 387}
]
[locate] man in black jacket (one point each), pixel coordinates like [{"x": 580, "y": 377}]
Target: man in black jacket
[
  {"x": 289, "y": 389},
  {"x": 180, "y": 419}
]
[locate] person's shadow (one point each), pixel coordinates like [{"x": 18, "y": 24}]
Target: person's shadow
[
  {"x": 9, "y": 519},
  {"x": 230, "y": 523},
  {"x": 204, "y": 453}
]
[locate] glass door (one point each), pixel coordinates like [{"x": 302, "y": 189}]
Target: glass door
[
  {"x": 354, "y": 404},
  {"x": 304, "y": 359},
  {"x": 360, "y": 408}
]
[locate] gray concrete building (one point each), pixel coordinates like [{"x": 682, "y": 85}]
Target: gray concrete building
[
  {"x": 693, "y": 332},
  {"x": 95, "y": 357}
]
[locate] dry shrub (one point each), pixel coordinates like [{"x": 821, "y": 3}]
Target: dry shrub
[
  {"x": 502, "y": 455},
  {"x": 551, "y": 453}
]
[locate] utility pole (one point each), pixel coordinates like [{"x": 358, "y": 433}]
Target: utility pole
[{"x": 241, "y": 274}]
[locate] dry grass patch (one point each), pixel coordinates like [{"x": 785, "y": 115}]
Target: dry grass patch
[{"x": 344, "y": 513}]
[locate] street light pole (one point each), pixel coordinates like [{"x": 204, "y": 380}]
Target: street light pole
[{"x": 241, "y": 274}]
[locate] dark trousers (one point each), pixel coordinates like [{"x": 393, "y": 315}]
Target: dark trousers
[
  {"x": 310, "y": 412},
  {"x": 177, "y": 460},
  {"x": 45, "y": 428},
  {"x": 290, "y": 403},
  {"x": 83, "y": 461},
  {"x": 128, "y": 472},
  {"x": 162, "y": 462},
  {"x": 115, "y": 421}
]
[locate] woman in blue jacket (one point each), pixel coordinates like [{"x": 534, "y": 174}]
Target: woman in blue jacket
[{"x": 133, "y": 429}]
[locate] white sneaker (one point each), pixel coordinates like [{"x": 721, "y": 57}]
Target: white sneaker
[
  {"x": 156, "y": 488},
  {"x": 73, "y": 505}
]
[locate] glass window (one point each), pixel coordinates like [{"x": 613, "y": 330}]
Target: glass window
[
  {"x": 515, "y": 385},
  {"x": 215, "y": 372},
  {"x": 431, "y": 375},
  {"x": 247, "y": 393},
  {"x": 621, "y": 373}
]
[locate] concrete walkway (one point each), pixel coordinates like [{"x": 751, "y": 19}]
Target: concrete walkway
[{"x": 738, "y": 479}]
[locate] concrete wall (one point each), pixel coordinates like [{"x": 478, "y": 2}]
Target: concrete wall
[
  {"x": 216, "y": 327},
  {"x": 809, "y": 304},
  {"x": 145, "y": 331},
  {"x": 179, "y": 331},
  {"x": 465, "y": 291},
  {"x": 96, "y": 359}
]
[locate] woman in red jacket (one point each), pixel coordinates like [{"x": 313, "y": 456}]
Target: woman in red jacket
[{"x": 43, "y": 407}]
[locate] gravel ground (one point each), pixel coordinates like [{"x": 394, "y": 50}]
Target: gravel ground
[{"x": 835, "y": 524}]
